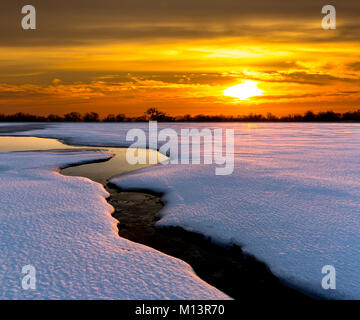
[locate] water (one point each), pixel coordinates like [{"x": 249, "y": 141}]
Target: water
[{"x": 99, "y": 172}]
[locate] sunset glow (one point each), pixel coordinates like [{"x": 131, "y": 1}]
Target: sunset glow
[{"x": 162, "y": 57}]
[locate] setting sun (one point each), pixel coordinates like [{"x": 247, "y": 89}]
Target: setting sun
[{"x": 243, "y": 91}]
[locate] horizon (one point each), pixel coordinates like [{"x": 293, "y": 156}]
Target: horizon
[{"x": 153, "y": 114}]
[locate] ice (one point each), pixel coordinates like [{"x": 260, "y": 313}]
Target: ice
[{"x": 293, "y": 200}]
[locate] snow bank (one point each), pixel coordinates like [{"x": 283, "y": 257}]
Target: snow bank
[
  {"x": 293, "y": 200},
  {"x": 63, "y": 227}
]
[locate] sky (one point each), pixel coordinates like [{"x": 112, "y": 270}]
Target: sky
[{"x": 126, "y": 56}]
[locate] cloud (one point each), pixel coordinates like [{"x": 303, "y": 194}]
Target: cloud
[
  {"x": 65, "y": 23},
  {"x": 302, "y": 77},
  {"x": 354, "y": 66}
]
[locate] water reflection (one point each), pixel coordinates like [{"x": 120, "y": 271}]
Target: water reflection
[{"x": 99, "y": 172}]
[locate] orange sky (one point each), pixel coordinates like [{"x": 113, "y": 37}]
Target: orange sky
[{"x": 124, "y": 57}]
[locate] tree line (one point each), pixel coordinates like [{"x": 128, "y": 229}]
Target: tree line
[{"x": 153, "y": 114}]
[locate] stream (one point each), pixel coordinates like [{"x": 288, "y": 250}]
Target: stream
[{"x": 227, "y": 268}]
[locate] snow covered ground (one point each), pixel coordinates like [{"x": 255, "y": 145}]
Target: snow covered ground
[
  {"x": 293, "y": 200},
  {"x": 63, "y": 227}
]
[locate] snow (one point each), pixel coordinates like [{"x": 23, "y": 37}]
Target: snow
[
  {"x": 63, "y": 227},
  {"x": 293, "y": 200}
]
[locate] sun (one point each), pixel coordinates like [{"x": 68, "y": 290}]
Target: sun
[{"x": 243, "y": 91}]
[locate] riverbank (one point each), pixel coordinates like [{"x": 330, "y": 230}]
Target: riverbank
[{"x": 227, "y": 268}]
